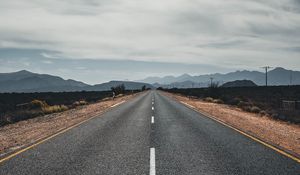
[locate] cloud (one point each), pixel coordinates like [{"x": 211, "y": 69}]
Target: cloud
[{"x": 184, "y": 31}]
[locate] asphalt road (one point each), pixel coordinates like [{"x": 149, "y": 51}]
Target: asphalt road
[{"x": 181, "y": 141}]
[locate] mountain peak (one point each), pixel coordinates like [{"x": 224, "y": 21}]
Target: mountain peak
[
  {"x": 279, "y": 69},
  {"x": 24, "y": 72}
]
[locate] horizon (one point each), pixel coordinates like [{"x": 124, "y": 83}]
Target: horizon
[{"x": 141, "y": 80}]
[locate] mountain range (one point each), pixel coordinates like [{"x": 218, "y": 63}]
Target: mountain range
[
  {"x": 277, "y": 76},
  {"x": 25, "y": 81}
]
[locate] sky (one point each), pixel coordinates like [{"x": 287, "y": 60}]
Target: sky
[{"x": 100, "y": 40}]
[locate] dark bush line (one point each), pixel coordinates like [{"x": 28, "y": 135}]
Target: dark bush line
[
  {"x": 263, "y": 100},
  {"x": 15, "y": 107}
]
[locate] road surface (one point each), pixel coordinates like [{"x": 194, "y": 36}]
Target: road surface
[{"x": 150, "y": 134}]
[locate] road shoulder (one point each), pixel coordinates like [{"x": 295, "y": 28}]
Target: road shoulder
[
  {"x": 280, "y": 134},
  {"x": 20, "y": 135}
]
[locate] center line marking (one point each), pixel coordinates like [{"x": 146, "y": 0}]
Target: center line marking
[
  {"x": 152, "y": 161},
  {"x": 152, "y": 119},
  {"x": 152, "y": 108}
]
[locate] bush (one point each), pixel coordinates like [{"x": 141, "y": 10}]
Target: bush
[
  {"x": 255, "y": 109},
  {"x": 242, "y": 104},
  {"x": 246, "y": 108},
  {"x": 38, "y": 104},
  {"x": 234, "y": 101},
  {"x": 219, "y": 101},
  {"x": 80, "y": 103},
  {"x": 55, "y": 108},
  {"x": 263, "y": 113},
  {"x": 209, "y": 99}
]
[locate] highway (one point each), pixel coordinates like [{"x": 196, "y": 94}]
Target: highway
[{"x": 150, "y": 134}]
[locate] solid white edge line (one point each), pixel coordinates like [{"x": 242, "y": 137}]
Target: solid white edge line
[
  {"x": 117, "y": 104},
  {"x": 187, "y": 104},
  {"x": 152, "y": 119},
  {"x": 152, "y": 161}
]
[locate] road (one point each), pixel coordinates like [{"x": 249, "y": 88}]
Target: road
[{"x": 150, "y": 134}]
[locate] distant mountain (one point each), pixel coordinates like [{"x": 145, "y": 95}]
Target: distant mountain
[
  {"x": 25, "y": 81},
  {"x": 277, "y": 76},
  {"x": 239, "y": 83}
]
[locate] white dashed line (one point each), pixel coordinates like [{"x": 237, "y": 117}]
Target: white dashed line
[
  {"x": 153, "y": 103},
  {"x": 152, "y": 119},
  {"x": 152, "y": 108},
  {"x": 117, "y": 104},
  {"x": 152, "y": 161}
]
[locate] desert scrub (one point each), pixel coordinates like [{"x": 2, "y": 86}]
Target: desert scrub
[
  {"x": 234, "y": 101},
  {"x": 209, "y": 99},
  {"x": 34, "y": 104},
  {"x": 80, "y": 103},
  {"x": 55, "y": 108},
  {"x": 219, "y": 101},
  {"x": 255, "y": 109},
  {"x": 263, "y": 113}
]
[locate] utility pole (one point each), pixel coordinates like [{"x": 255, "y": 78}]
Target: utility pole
[
  {"x": 266, "y": 69},
  {"x": 211, "y": 81},
  {"x": 291, "y": 78}
]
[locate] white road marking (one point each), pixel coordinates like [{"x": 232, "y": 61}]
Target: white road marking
[
  {"x": 152, "y": 161},
  {"x": 117, "y": 104},
  {"x": 187, "y": 104},
  {"x": 152, "y": 108},
  {"x": 152, "y": 119},
  {"x": 153, "y": 103}
]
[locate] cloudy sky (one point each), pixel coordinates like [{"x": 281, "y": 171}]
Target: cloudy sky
[{"x": 99, "y": 40}]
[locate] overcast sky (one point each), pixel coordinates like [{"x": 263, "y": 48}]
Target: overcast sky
[{"x": 93, "y": 40}]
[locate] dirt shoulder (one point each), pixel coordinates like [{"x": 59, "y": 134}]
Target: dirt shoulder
[
  {"x": 23, "y": 133},
  {"x": 282, "y": 134}
]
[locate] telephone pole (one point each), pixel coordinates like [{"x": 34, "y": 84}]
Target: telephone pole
[
  {"x": 291, "y": 78},
  {"x": 211, "y": 81},
  {"x": 266, "y": 69}
]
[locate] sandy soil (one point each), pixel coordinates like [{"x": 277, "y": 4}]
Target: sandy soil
[
  {"x": 282, "y": 134},
  {"x": 23, "y": 133}
]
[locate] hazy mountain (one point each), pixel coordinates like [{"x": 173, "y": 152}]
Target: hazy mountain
[
  {"x": 277, "y": 76},
  {"x": 25, "y": 81},
  {"x": 239, "y": 83}
]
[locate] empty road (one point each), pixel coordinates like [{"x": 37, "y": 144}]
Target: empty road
[{"x": 150, "y": 134}]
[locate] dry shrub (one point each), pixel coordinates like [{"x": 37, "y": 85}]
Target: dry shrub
[
  {"x": 55, "y": 108},
  {"x": 80, "y": 103},
  {"x": 120, "y": 95},
  {"x": 234, "y": 101},
  {"x": 219, "y": 101},
  {"x": 263, "y": 113},
  {"x": 38, "y": 104},
  {"x": 209, "y": 99},
  {"x": 255, "y": 109},
  {"x": 242, "y": 104}
]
